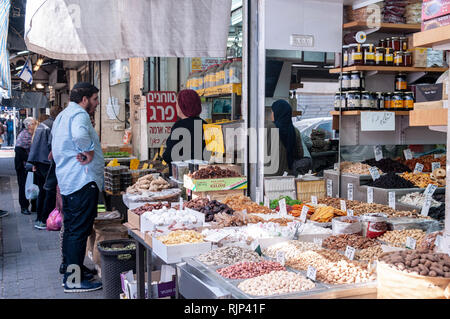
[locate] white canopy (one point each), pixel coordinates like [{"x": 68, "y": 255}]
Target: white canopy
[{"x": 117, "y": 29}]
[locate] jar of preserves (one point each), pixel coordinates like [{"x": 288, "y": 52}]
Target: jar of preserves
[
  {"x": 345, "y": 55},
  {"x": 395, "y": 44},
  {"x": 388, "y": 57},
  {"x": 369, "y": 54},
  {"x": 408, "y": 101},
  {"x": 398, "y": 58},
  {"x": 366, "y": 100},
  {"x": 387, "y": 43},
  {"x": 401, "y": 83},
  {"x": 379, "y": 105},
  {"x": 353, "y": 100},
  {"x": 355, "y": 81},
  {"x": 382, "y": 43},
  {"x": 403, "y": 44},
  {"x": 379, "y": 56},
  {"x": 355, "y": 54},
  {"x": 339, "y": 101},
  {"x": 346, "y": 81},
  {"x": 387, "y": 100},
  {"x": 407, "y": 59},
  {"x": 397, "y": 101}
]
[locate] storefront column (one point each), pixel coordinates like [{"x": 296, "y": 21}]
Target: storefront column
[{"x": 136, "y": 86}]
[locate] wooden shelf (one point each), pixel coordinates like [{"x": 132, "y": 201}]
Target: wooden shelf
[
  {"x": 384, "y": 27},
  {"x": 430, "y": 117},
  {"x": 387, "y": 69},
  {"x": 347, "y": 113},
  {"x": 433, "y": 37}
]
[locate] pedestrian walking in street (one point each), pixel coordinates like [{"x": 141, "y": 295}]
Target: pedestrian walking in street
[
  {"x": 39, "y": 157},
  {"x": 79, "y": 163},
  {"x": 22, "y": 150},
  {"x": 2, "y": 132},
  {"x": 10, "y": 131}
]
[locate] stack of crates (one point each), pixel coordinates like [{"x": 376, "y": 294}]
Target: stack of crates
[{"x": 113, "y": 178}]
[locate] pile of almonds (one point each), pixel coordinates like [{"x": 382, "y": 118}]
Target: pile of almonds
[
  {"x": 340, "y": 242},
  {"x": 245, "y": 270},
  {"x": 214, "y": 172}
]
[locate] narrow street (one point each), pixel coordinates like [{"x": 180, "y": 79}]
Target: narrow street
[{"x": 29, "y": 258}]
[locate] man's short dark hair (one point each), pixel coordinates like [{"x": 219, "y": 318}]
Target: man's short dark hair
[{"x": 80, "y": 90}]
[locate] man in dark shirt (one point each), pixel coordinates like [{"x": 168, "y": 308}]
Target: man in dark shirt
[{"x": 10, "y": 131}]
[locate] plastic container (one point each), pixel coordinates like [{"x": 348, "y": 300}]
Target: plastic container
[
  {"x": 374, "y": 225},
  {"x": 113, "y": 263},
  {"x": 339, "y": 226}
]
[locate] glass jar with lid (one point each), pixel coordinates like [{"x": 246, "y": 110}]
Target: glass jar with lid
[
  {"x": 345, "y": 55},
  {"x": 366, "y": 100},
  {"x": 388, "y": 57},
  {"x": 395, "y": 44},
  {"x": 355, "y": 81},
  {"x": 387, "y": 43},
  {"x": 407, "y": 59},
  {"x": 398, "y": 58},
  {"x": 355, "y": 54},
  {"x": 346, "y": 81},
  {"x": 353, "y": 100},
  {"x": 408, "y": 101},
  {"x": 387, "y": 100},
  {"x": 339, "y": 101},
  {"x": 379, "y": 55},
  {"x": 369, "y": 54},
  {"x": 403, "y": 44},
  {"x": 379, "y": 100},
  {"x": 401, "y": 83},
  {"x": 397, "y": 101},
  {"x": 382, "y": 43}
]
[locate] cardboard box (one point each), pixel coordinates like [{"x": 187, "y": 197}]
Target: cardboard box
[
  {"x": 428, "y": 92},
  {"x": 219, "y": 195},
  {"x": 436, "y": 23},
  {"x": 159, "y": 289},
  {"x": 134, "y": 219},
  {"x": 443, "y": 104},
  {"x": 215, "y": 184},
  {"x": 436, "y": 117},
  {"x": 171, "y": 254},
  {"x": 434, "y": 9},
  {"x": 419, "y": 57},
  {"x": 148, "y": 226}
]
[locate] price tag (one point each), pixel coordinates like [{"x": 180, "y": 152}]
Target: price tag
[
  {"x": 438, "y": 241},
  {"x": 343, "y": 205},
  {"x": 435, "y": 165},
  {"x": 438, "y": 155},
  {"x": 426, "y": 207},
  {"x": 285, "y": 174},
  {"x": 370, "y": 195},
  {"x": 282, "y": 204},
  {"x": 181, "y": 203},
  {"x": 350, "y": 212},
  {"x": 392, "y": 200},
  {"x": 374, "y": 173},
  {"x": 418, "y": 168},
  {"x": 408, "y": 154},
  {"x": 429, "y": 191},
  {"x": 134, "y": 164},
  {"x": 336, "y": 166},
  {"x": 314, "y": 200},
  {"x": 410, "y": 243},
  {"x": 311, "y": 273},
  {"x": 329, "y": 188},
  {"x": 280, "y": 258},
  {"x": 350, "y": 191},
  {"x": 318, "y": 241},
  {"x": 266, "y": 202},
  {"x": 445, "y": 244},
  {"x": 350, "y": 252},
  {"x": 304, "y": 214},
  {"x": 378, "y": 152}
]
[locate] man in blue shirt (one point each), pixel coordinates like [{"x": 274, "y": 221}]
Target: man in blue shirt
[
  {"x": 10, "y": 131},
  {"x": 79, "y": 163}
]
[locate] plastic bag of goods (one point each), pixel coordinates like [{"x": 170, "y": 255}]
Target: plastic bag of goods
[
  {"x": 374, "y": 225},
  {"x": 346, "y": 225}
]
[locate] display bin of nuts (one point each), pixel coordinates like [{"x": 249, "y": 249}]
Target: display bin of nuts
[
  {"x": 310, "y": 186},
  {"x": 218, "y": 195},
  {"x": 214, "y": 178},
  {"x": 357, "y": 180},
  {"x": 173, "y": 253},
  {"x": 413, "y": 274},
  {"x": 381, "y": 195}
]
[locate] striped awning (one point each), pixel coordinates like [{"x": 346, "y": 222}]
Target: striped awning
[{"x": 5, "y": 74}]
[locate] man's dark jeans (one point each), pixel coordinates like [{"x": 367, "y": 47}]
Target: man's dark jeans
[
  {"x": 80, "y": 210},
  {"x": 47, "y": 198},
  {"x": 10, "y": 137}
]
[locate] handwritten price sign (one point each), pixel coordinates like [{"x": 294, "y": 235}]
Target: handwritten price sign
[{"x": 377, "y": 121}]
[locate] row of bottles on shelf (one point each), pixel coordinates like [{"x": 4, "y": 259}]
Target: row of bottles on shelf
[{"x": 229, "y": 71}]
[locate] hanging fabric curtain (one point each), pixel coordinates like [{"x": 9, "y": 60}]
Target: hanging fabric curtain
[
  {"x": 5, "y": 73},
  {"x": 118, "y": 29}
]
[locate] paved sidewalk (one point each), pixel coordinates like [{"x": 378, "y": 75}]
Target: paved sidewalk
[{"x": 29, "y": 258}]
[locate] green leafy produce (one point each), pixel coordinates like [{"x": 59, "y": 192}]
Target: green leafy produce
[
  {"x": 116, "y": 154},
  {"x": 289, "y": 201}
]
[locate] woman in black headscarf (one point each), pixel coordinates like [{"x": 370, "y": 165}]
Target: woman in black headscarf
[{"x": 290, "y": 146}]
